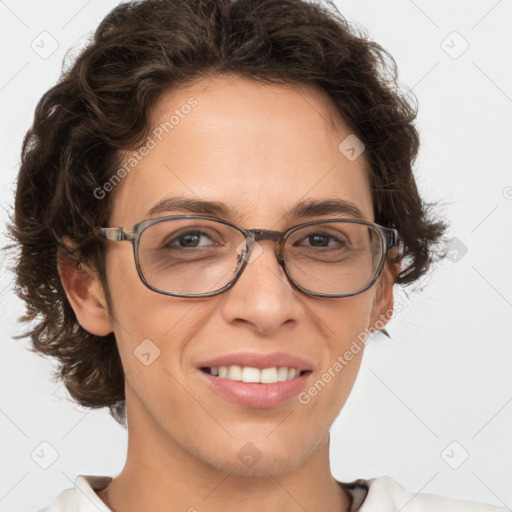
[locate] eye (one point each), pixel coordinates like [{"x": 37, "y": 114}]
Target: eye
[
  {"x": 323, "y": 240},
  {"x": 190, "y": 240},
  {"x": 318, "y": 240}
]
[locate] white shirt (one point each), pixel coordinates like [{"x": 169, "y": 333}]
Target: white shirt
[{"x": 381, "y": 494}]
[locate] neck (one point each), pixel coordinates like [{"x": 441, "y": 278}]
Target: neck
[{"x": 160, "y": 474}]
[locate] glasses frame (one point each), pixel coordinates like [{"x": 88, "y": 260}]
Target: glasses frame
[{"x": 389, "y": 238}]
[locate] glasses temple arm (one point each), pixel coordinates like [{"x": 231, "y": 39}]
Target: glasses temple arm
[
  {"x": 392, "y": 238},
  {"x": 113, "y": 234}
]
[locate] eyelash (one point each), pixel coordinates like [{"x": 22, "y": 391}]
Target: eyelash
[{"x": 169, "y": 244}]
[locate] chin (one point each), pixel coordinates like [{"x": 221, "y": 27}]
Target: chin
[
  {"x": 274, "y": 465},
  {"x": 261, "y": 458}
]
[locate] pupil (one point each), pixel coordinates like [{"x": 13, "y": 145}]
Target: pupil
[
  {"x": 318, "y": 241},
  {"x": 190, "y": 240}
]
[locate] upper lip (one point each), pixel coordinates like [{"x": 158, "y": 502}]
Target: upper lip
[{"x": 256, "y": 360}]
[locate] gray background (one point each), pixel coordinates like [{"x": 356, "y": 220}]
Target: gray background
[{"x": 441, "y": 390}]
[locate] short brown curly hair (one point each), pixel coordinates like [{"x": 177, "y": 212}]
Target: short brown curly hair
[{"x": 100, "y": 108}]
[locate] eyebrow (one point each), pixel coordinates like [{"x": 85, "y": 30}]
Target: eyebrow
[
  {"x": 313, "y": 208},
  {"x": 198, "y": 206},
  {"x": 307, "y": 208}
]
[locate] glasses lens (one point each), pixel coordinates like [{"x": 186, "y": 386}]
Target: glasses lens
[
  {"x": 334, "y": 257},
  {"x": 190, "y": 256}
]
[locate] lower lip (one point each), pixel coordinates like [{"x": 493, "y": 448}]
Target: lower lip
[{"x": 255, "y": 395}]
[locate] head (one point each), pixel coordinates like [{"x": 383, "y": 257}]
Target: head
[{"x": 248, "y": 105}]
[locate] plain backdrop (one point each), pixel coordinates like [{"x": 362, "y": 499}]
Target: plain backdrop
[{"x": 433, "y": 406}]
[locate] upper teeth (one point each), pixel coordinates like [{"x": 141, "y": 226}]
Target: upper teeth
[{"x": 249, "y": 374}]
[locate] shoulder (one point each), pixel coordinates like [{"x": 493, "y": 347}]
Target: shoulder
[
  {"x": 386, "y": 495},
  {"x": 82, "y": 498}
]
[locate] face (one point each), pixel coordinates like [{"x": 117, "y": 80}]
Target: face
[{"x": 259, "y": 150}]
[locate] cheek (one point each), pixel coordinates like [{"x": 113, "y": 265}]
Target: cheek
[
  {"x": 346, "y": 322},
  {"x": 153, "y": 331},
  {"x": 143, "y": 320},
  {"x": 342, "y": 320}
]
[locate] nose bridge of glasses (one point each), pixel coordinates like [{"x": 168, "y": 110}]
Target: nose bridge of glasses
[
  {"x": 265, "y": 234},
  {"x": 259, "y": 235}
]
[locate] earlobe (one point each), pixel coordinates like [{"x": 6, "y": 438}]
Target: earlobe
[{"x": 85, "y": 294}]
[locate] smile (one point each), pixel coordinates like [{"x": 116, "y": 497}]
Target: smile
[{"x": 269, "y": 375}]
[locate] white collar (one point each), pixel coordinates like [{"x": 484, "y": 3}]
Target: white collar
[{"x": 384, "y": 495}]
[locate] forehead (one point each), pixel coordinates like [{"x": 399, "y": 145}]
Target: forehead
[{"x": 258, "y": 148}]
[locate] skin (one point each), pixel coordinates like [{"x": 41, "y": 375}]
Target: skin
[{"x": 260, "y": 149}]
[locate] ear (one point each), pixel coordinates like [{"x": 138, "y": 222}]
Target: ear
[
  {"x": 382, "y": 308},
  {"x": 85, "y": 294}
]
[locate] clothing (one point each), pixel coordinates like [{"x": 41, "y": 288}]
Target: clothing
[{"x": 381, "y": 494}]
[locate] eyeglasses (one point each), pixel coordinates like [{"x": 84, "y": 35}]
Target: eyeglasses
[{"x": 201, "y": 256}]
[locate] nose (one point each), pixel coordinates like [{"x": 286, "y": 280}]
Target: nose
[{"x": 262, "y": 297}]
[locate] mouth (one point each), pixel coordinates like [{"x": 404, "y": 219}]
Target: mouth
[
  {"x": 250, "y": 374},
  {"x": 259, "y": 381}
]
